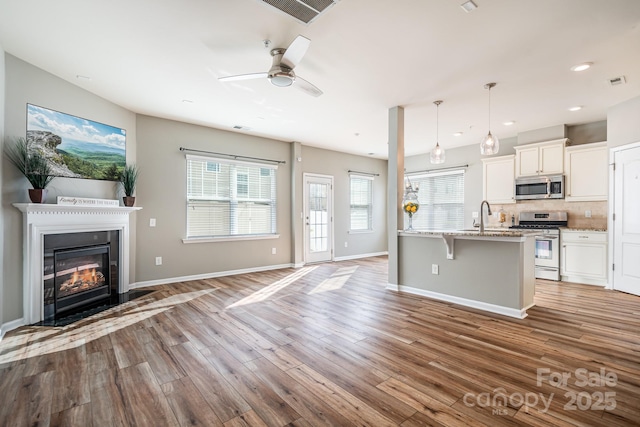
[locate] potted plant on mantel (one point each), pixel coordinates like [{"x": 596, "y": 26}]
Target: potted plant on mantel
[
  {"x": 128, "y": 179},
  {"x": 33, "y": 165}
]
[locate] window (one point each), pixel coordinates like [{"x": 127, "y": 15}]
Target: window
[
  {"x": 229, "y": 198},
  {"x": 441, "y": 197},
  {"x": 361, "y": 203}
]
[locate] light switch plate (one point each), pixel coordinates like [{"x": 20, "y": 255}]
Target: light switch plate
[{"x": 587, "y": 214}]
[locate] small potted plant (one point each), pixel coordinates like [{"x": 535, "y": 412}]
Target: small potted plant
[
  {"x": 128, "y": 179},
  {"x": 33, "y": 165}
]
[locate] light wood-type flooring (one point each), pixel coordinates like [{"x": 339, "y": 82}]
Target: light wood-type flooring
[{"x": 323, "y": 345}]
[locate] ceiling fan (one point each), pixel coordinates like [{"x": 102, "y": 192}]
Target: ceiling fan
[{"x": 281, "y": 73}]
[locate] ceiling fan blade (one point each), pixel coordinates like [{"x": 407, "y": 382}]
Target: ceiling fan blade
[
  {"x": 307, "y": 87},
  {"x": 296, "y": 50},
  {"x": 243, "y": 77}
]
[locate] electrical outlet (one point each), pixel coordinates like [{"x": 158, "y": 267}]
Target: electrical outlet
[
  {"x": 346, "y": 244},
  {"x": 434, "y": 268},
  {"x": 152, "y": 222},
  {"x": 475, "y": 215},
  {"x": 273, "y": 251},
  {"x": 158, "y": 260},
  {"x": 587, "y": 214}
]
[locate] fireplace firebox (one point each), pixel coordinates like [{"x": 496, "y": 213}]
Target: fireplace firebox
[{"x": 81, "y": 276}]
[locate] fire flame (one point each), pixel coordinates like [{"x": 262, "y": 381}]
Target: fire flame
[{"x": 85, "y": 276}]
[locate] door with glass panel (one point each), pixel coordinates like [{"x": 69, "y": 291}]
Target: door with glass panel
[{"x": 318, "y": 218}]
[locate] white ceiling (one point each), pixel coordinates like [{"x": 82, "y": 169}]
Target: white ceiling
[{"x": 366, "y": 56}]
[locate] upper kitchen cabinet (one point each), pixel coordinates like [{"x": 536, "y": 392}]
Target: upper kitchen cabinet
[
  {"x": 498, "y": 179},
  {"x": 542, "y": 158},
  {"x": 587, "y": 172}
]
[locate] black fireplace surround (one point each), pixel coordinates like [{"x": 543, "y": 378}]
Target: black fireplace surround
[{"x": 81, "y": 270}]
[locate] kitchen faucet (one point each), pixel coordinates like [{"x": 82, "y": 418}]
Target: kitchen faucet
[{"x": 482, "y": 216}]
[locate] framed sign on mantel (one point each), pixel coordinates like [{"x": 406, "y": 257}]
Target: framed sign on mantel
[{"x": 76, "y": 147}]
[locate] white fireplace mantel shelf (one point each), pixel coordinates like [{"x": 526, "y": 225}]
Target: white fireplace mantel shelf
[
  {"x": 49, "y": 208},
  {"x": 42, "y": 219}
]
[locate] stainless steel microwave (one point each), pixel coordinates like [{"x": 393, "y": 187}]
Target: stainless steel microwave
[{"x": 540, "y": 187}]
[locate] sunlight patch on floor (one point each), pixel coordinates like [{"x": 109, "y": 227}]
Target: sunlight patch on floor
[
  {"x": 336, "y": 281},
  {"x": 40, "y": 340},
  {"x": 273, "y": 288}
]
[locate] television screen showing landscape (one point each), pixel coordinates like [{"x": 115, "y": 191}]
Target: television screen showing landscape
[{"x": 76, "y": 147}]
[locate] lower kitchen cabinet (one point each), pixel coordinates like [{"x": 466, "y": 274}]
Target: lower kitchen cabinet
[{"x": 584, "y": 257}]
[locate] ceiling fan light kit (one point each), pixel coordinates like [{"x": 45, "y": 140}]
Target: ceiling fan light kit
[
  {"x": 437, "y": 154},
  {"x": 490, "y": 144}
]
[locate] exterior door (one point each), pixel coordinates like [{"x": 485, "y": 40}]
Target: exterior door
[
  {"x": 626, "y": 226},
  {"x": 318, "y": 218}
]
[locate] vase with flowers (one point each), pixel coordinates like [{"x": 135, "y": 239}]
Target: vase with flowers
[{"x": 410, "y": 203}]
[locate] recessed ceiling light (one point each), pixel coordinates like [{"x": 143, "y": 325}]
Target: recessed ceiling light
[
  {"x": 509, "y": 123},
  {"x": 468, "y": 6},
  {"x": 582, "y": 67},
  {"x": 576, "y": 108},
  {"x": 81, "y": 77},
  {"x": 458, "y": 134}
]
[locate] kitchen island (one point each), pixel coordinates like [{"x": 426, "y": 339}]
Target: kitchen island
[{"x": 491, "y": 271}]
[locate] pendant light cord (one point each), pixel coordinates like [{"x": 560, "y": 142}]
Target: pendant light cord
[{"x": 489, "y": 86}]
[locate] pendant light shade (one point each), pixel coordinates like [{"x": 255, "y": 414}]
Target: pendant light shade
[
  {"x": 490, "y": 144},
  {"x": 437, "y": 154}
]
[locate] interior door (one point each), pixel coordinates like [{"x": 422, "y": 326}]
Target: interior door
[
  {"x": 318, "y": 220},
  {"x": 626, "y": 227}
]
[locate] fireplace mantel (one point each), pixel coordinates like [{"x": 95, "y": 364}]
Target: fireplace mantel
[{"x": 42, "y": 219}]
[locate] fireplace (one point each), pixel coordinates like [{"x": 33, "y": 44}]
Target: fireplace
[
  {"x": 61, "y": 240},
  {"x": 80, "y": 270}
]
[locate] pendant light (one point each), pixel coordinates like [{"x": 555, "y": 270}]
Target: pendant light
[
  {"x": 490, "y": 144},
  {"x": 437, "y": 154}
]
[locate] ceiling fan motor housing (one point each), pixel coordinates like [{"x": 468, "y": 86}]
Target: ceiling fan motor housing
[{"x": 280, "y": 75}]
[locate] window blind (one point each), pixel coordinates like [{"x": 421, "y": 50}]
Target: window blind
[
  {"x": 230, "y": 198},
  {"x": 361, "y": 189},
  {"x": 441, "y": 196}
]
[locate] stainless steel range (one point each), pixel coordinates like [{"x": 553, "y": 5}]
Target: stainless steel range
[{"x": 547, "y": 263}]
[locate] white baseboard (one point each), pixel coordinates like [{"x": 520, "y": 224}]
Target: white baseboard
[
  {"x": 206, "y": 276},
  {"x": 350, "y": 257},
  {"x": 10, "y": 326},
  {"x": 585, "y": 280},
  {"x": 493, "y": 308},
  {"x": 393, "y": 287}
]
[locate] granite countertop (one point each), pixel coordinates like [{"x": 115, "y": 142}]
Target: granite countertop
[
  {"x": 492, "y": 232},
  {"x": 599, "y": 230}
]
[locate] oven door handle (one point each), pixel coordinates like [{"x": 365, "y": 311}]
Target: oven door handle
[
  {"x": 548, "y": 189},
  {"x": 546, "y": 237}
]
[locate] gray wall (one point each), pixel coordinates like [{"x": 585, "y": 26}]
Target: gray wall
[
  {"x": 28, "y": 84},
  {"x": 333, "y": 163},
  {"x": 2, "y": 90},
  {"x": 161, "y": 192},
  {"x": 623, "y": 125}
]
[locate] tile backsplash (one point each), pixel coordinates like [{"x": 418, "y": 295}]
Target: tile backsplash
[{"x": 576, "y": 211}]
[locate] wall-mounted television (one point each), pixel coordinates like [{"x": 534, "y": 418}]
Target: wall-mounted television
[{"x": 76, "y": 147}]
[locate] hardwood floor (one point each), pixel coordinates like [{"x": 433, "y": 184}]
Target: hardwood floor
[{"x": 328, "y": 345}]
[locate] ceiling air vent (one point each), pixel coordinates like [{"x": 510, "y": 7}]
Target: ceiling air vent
[
  {"x": 304, "y": 11},
  {"x": 615, "y": 81}
]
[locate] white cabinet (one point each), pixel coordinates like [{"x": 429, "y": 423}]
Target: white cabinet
[
  {"x": 584, "y": 257},
  {"x": 498, "y": 179},
  {"x": 587, "y": 172},
  {"x": 542, "y": 158}
]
